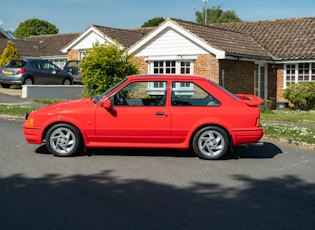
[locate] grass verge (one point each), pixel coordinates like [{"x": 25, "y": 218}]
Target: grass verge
[{"x": 296, "y": 127}]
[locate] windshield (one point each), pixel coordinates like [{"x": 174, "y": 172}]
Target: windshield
[{"x": 99, "y": 97}]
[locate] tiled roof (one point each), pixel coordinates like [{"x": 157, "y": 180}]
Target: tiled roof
[
  {"x": 284, "y": 39},
  {"x": 233, "y": 43},
  {"x": 126, "y": 37},
  {"x": 50, "y": 45},
  {"x": 25, "y": 48}
]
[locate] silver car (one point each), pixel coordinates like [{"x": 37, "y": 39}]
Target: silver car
[{"x": 33, "y": 71}]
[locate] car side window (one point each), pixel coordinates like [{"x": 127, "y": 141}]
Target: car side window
[
  {"x": 36, "y": 64},
  {"x": 49, "y": 66},
  {"x": 190, "y": 94},
  {"x": 141, "y": 94}
]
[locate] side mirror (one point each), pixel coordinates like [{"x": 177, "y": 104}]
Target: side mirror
[
  {"x": 54, "y": 72},
  {"x": 107, "y": 104}
]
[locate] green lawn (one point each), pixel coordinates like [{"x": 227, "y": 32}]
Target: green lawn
[{"x": 298, "y": 125}]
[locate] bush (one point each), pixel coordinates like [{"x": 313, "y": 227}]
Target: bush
[
  {"x": 301, "y": 95},
  {"x": 104, "y": 66}
]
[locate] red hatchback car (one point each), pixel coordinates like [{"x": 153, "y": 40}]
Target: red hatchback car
[{"x": 150, "y": 111}]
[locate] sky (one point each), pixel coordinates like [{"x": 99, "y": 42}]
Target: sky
[{"x": 76, "y": 15}]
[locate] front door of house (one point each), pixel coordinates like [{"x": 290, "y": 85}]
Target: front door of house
[{"x": 261, "y": 83}]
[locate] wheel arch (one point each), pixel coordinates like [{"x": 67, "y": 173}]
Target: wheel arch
[
  {"x": 206, "y": 125},
  {"x": 62, "y": 122},
  {"x": 28, "y": 76}
]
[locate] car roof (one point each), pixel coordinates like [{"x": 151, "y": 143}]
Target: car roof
[{"x": 167, "y": 76}]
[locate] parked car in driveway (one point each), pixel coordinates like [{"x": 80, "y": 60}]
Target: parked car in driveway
[
  {"x": 150, "y": 111},
  {"x": 25, "y": 71},
  {"x": 73, "y": 67}
]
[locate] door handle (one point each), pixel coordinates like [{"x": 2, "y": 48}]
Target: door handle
[{"x": 159, "y": 113}]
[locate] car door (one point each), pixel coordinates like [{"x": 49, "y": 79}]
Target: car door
[
  {"x": 50, "y": 74},
  {"x": 139, "y": 116}
]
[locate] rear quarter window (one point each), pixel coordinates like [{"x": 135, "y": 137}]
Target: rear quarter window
[{"x": 16, "y": 64}]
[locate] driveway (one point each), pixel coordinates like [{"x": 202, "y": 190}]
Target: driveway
[{"x": 269, "y": 187}]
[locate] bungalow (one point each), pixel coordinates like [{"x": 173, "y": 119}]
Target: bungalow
[{"x": 259, "y": 58}]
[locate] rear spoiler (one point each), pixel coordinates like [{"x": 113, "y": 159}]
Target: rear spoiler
[{"x": 250, "y": 99}]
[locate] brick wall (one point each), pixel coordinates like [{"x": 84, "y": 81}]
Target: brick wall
[
  {"x": 239, "y": 76},
  {"x": 142, "y": 64},
  {"x": 207, "y": 65},
  {"x": 73, "y": 55},
  {"x": 279, "y": 85}
]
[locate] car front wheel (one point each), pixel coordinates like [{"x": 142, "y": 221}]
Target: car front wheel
[
  {"x": 211, "y": 143},
  {"x": 63, "y": 140}
]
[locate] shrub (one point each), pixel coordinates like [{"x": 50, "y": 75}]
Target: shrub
[
  {"x": 8, "y": 53},
  {"x": 104, "y": 66},
  {"x": 301, "y": 95}
]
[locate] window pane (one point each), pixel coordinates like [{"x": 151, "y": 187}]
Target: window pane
[
  {"x": 141, "y": 94},
  {"x": 189, "y": 94}
]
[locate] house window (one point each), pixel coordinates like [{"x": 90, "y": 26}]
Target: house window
[
  {"x": 299, "y": 72},
  {"x": 171, "y": 67},
  {"x": 185, "y": 67},
  {"x": 164, "y": 67},
  {"x": 81, "y": 54}
]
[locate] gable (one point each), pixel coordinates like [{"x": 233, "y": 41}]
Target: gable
[
  {"x": 170, "y": 42},
  {"x": 173, "y": 39},
  {"x": 88, "y": 40}
]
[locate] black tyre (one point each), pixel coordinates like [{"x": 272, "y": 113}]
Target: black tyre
[
  {"x": 63, "y": 140},
  {"x": 67, "y": 81},
  {"x": 3, "y": 85},
  {"x": 28, "y": 81},
  {"x": 211, "y": 143}
]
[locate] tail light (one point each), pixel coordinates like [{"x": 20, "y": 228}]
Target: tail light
[
  {"x": 23, "y": 70},
  {"x": 258, "y": 122}
]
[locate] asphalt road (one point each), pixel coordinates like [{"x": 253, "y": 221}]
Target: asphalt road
[{"x": 270, "y": 187}]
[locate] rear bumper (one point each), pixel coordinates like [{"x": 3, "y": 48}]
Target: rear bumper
[
  {"x": 247, "y": 136},
  {"x": 11, "y": 79}
]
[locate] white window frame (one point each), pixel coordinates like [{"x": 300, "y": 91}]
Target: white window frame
[{"x": 295, "y": 77}]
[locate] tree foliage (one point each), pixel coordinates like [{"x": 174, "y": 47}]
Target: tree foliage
[
  {"x": 301, "y": 95},
  {"x": 34, "y": 26},
  {"x": 8, "y": 53},
  {"x": 216, "y": 15},
  {"x": 104, "y": 66},
  {"x": 153, "y": 22}
]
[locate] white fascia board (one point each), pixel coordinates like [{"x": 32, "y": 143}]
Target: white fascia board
[{"x": 220, "y": 54}]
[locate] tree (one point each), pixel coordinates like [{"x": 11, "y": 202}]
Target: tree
[
  {"x": 104, "y": 66},
  {"x": 153, "y": 22},
  {"x": 216, "y": 15},
  {"x": 8, "y": 53},
  {"x": 35, "y": 26}
]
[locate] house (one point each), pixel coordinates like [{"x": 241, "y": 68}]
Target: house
[
  {"x": 7, "y": 34},
  {"x": 48, "y": 46},
  {"x": 124, "y": 37},
  {"x": 259, "y": 58}
]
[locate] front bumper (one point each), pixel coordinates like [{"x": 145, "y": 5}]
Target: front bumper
[{"x": 33, "y": 135}]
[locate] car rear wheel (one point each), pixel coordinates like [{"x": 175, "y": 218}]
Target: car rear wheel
[
  {"x": 66, "y": 81},
  {"x": 28, "y": 81},
  {"x": 211, "y": 143},
  {"x": 63, "y": 140},
  {"x": 3, "y": 85}
]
